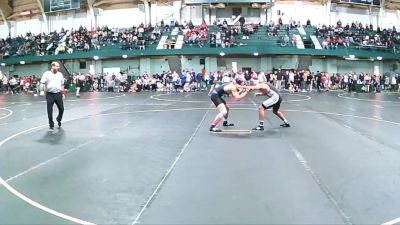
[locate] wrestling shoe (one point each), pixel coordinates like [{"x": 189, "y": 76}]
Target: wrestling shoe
[
  {"x": 226, "y": 124},
  {"x": 215, "y": 129},
  {"x": 285, "y": 125},
  {"x": 258, "y": 128}
]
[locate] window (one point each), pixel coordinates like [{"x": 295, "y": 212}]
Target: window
[
  {"x": 82, "y": 65},
  {"x": 251, "y": 12},
  {"x": 236, "y": 11}
]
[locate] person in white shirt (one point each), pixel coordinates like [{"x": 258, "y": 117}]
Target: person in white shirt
[
  {"x": 13, "y": 85},
  {"x": 393, "y": 83},
  {"x": 261, "y": 77},
  {"x": 226, "y": 78},
  {"x": 53, "y": 81},
  {"x": 345, "y": 81}
]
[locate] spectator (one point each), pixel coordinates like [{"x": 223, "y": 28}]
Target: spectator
[{"x": 242, "y": 20}]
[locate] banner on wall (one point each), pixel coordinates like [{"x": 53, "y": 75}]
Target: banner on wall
[
  {"x": 376, "y": 70},
  {"x": 91, "y": 70},
  {"x": 234, "y": 67}
]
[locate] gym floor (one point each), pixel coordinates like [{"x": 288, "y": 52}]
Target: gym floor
[{"x": 148, "y": 158}]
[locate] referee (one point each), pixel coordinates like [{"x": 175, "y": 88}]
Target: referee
[{"x": 53, "y": 81}]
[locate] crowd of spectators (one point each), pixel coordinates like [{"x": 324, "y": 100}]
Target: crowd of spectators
[
  {"x": 190, "y": 80},
  {"x": 187, "y": 80},
  {"x": 228, "y": 36},
  {"x": 30, "y": 44},
  {"x": 362, "y": 36},
  {"x": 219, "y": 34},
  {"x": 16, "y": 84},
  {"x": 81, "y": 39}
]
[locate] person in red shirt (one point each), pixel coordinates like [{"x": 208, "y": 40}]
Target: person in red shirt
[{"x": 340, "y": 40}]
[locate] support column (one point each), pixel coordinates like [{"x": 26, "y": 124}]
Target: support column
[
  {"x": 213, "y": 16},
  {"x": 329, "y": 14},
  {"x": 185, "y": 62},
  {"x": 146, "y": 11},
  {"x": 271, "y": 14},
  {"x": 266, "y": 64},
  {"x": 5, "y": 12},
  {"x": 5, "y": 70},
  {"x": 263, "y": 16},
  {"x": 45, "y": 21},
  {"x": 177, "y": 5},
  {"x": 91, "y": 14},
  {"x": 206, "y": 15},
  {"x": 5, "y": 22},
  {"x": 379, "y": 18},
  {"x": 7, "y": 25},
  {"x": 331, "y": 66},
  {"x": 318, "y": 65},
  {"x": 211, "y": 64},
  {"x": 13, "y": 29},
  {"x": 153, "y": 14},
  {"x": 144, "y": 65},
  {"x": 374, "y": 19},
  {"x": 378, "y": 68},
  {"x": 98, "y": 67}
]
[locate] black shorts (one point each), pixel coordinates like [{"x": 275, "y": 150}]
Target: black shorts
[
  {"x": 275, "y": 107},
  {"x": 217, "y": 100}
]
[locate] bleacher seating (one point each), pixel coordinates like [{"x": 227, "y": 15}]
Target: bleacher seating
[{"x": 42, "y": 47}]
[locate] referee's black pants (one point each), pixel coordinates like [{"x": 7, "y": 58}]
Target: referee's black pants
[{"x": 52, "y": 98}]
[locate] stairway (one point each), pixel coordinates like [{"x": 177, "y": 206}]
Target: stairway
[
  {"x": 302, "y": 31},
  {"x": 299, "y": 41},
  {"x": 179, "y": 42},
  {"x": 63, "y": 69},
  {"x": 175, "y": 31},
  {"x": 175, "y": 63},
  {"x": 315, "y": 42},
  {"x": 236, "y": 20},
  {"x": 162, "y": 42}
]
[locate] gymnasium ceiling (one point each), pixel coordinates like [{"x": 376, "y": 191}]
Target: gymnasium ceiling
[
  {"x": 11, "y": 9},
  {"x": 392, "y": 4}
]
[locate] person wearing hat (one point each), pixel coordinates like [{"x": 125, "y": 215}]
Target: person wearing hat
[{"x": 233, "y": 89}]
